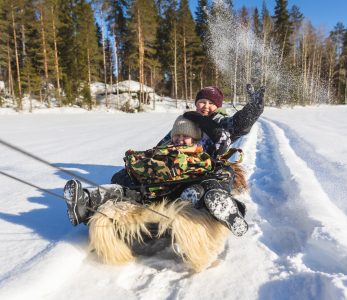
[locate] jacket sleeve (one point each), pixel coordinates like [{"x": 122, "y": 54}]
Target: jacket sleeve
[
  {"x": 166, "y": 140},
  {"x": 242, "y": 121}
]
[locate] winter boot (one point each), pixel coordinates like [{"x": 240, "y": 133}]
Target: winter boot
[
  {"x": 100, "y": 195},
  {"x": 210, "y": 184},
  {"x": 77, "y": 201},
  {"x": 82, "y": 202},
  {"x": 225, "y": 209},
  {"x": 193, "y": 194}
]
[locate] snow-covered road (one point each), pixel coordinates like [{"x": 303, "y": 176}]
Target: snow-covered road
[{"x": 296, "y": 248}]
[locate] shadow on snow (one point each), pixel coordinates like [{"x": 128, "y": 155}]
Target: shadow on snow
[{"x": 51, "y": 222}]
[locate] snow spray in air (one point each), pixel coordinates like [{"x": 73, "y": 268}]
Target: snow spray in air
[{"x": 243, "y": 57}]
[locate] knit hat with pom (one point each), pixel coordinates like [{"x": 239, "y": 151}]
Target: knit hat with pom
[{"x": 211, "y": 93}]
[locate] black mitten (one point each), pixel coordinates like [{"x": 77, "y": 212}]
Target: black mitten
[
  {"x": 256, "y": 97},
  {"x": 206, "y": 123}
]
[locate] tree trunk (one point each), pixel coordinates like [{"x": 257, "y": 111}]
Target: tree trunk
[
  {"x": 104, "y": 56},
  {"x": 304, "y": 68},
  {"x": 201, "y": 78},
  {"x": 116, "y": 66},
  {"x": 190, "y": 80},
  {"x": 90, "y": 78},
  {"x": 111, "y": 73},
  {"x": 10, "y": 76},
  {"x": 185, "y": 67},
  {"x": 283, "y": 45},
  {"x": 175, "y": 63},
  {"x": 19, "y": 104},
  {"x": 141, "y": 57},
  {"x": 216, "y": 76},
  {"x": 235, "y": 72},
  {"x": 56, "y": 60},
  {"x": 44, "y": 51}
]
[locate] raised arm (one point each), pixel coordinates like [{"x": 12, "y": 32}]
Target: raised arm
[{"x": 242, "y": 121}]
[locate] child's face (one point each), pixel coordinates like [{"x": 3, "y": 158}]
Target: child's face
[
  {"x": 205, "y": 107},
  {"x": 181, "y": 139}
]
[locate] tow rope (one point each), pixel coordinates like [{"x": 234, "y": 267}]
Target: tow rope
[{"x": 17, "y": 149}]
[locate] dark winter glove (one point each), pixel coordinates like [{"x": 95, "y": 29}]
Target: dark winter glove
[
  {"x": 206, "y": 123},
  {"x": 256, "y": 97}
]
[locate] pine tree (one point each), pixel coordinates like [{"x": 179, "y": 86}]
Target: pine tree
[
  {"x": 86, "y": 46},
  {"x": 201, "y": 59},
  {"x": 256, "y": 22},
  {"x": 6, "y": 53},
  {"x": 267, "y": 29},
  {"x": 296, "y": 18},
  {"x": 66, "y": 46},
  {"x": 117, "y": 24},
  {"x": 142, "y": 41},
  {"x": 190, "y": 45},
  {"x": 168, "y": 45},
  {"x": 31, "y": 50},
  {"x": 344, "y": 55},
  {"x": 202, "y": 19},
  {"x": 282, "y": 27},
  {"x": 337, "y": 36}
]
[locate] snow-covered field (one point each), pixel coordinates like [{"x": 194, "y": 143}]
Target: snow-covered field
[{"x": 296, "y": 247}]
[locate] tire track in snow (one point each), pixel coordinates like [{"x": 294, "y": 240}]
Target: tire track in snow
[
  {"x": 299, "y": 222},
  {"x": 331, "y": 175}
]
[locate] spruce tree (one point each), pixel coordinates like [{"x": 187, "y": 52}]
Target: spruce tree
[
  {"x": 31, "y": 50},
  {"x": 296, "y": 18},
  {"x": 202, "y": 19},
  {"x": 256, "y": 22},
  {"x": 168, "y": 45},
  {"x": 282, "y": 27},
  {"x": 337, "y": 36},
  {"x": 6, "y": 55},
  {"x": 344, "y": 56},
  {"x": 67, "y": 48},
  {"x": 86, "y": 46},
  {"x": 190, "y": 45},
  {"x": 117, "y": 26},
  {"x": 142, "y": 42}
]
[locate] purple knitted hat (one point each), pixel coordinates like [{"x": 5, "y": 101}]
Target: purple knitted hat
[{"x": 211, "y": 93}]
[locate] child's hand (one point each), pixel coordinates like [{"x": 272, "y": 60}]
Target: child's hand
[{"x": 256, "y": 97}]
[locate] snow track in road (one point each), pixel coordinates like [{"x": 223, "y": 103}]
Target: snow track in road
[{"x": 299, "y": 221}]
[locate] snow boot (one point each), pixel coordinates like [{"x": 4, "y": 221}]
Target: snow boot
[
  {"x": 225, "y": 209},
  {"x": 193, "y": 194},
  {"x": 82, "y": 203},
  {"x": 210, "y": 184},
  {"x": 77, "y": 201},
  {"x": 99, "y": 195}
]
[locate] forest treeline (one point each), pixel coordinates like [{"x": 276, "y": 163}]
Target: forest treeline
[{"x": 54, "y": 49}]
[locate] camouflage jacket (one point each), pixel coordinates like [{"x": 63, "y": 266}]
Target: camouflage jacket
[{"x": 167, "y": 164}]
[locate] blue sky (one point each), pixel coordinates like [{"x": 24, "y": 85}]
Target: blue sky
[{"x": 325, "y": 13}]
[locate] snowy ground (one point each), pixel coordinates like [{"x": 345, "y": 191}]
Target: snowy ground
[{"x": 296, "y": 247}]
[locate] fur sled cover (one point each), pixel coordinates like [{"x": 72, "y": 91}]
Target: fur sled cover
[
  {"x": 198, "y": 236},
  {"x": 240, "y": 183}
]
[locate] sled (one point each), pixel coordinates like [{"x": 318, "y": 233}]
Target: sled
[
  {"x": 194, "y": 234},
  {"x": 124, "y": 229}
]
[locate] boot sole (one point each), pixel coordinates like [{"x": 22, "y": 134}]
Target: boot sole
[
  {"x": 224, "y": 208},
  {"x": 70, "y": 194}
]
